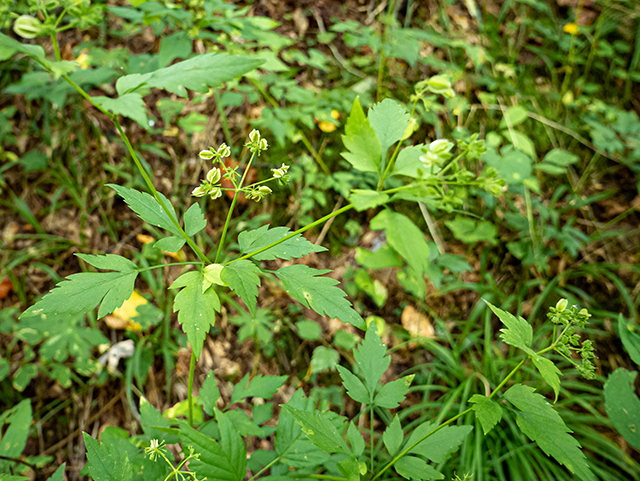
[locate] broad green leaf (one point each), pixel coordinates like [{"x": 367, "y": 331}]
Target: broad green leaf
[
  {"x": 214, "y": 463},
  {"x": 128, "y": 105},
  {"x": 351, "y": 469},
  {"x": 10, "y": 46},
  {"x": 518, "y": 332},
  {"x": 367, "y": 199},
  {"x": 630, "y": 340},
  {"x": 542, "y": 424},
  {"x": 309, "y": 330},
  {"x": 170, "y": 244},
  {"x": 232, "y": 445},
  {"x": 290, "y": 443},
  {"x": 389, "y": 120},
  {"x": 393, "y": 436},
  {"x": 412, "y": 467},
  {"x": 58, "y": 475},
  {"x": 393, "y": 393},
  {"x": 487, "y": 411},
  {"x": 199, "y": 74},
  {"x": 23, "y": 376},
  {"x": 196, "y": 309},
  {"x": 15, "y": 424},
  {"x": 150, "y": 419},
  {"x": 549, "y": 372},
  {"x": 372, "y": 358},
  {"x": 513, "y": 116},
  {"x": 521, "y": 142},
  {"x": 356, "y": 439},
  {"x": 258, "y": 326},
  {"x": 622, "y": 404},
  {"x": 260, "y": 386},
  {"x": 82, "y": 292},
  {"x": 194, "y": 220},
  {"x": 253, "y": 240},
  {"x": 408, "y": 162},
  {"x": 405, "y": 238},
  {"x": 106, "y": 462},
  {"x": 148, "y": 208},
  {"x": 355, "y": 389},
  {"x": 440, "y": 445},
  {"x": 471, "y": 231},
  {"x": 242, "y": 277},
  {"x": 364, "y": 149},
  {"x": 561, "y": 158},
  {"x": 319, "y": 430},
  {"x": 382, "y": 258},
  {"x": 324, "y": 359},
  {"x": 319, "y": 293},
  {"x": 513, "y": 166},
  {"x": 176, "y": 45},
  {"x": 373, "y": 287},
  {"x": 209, "y": 393}
]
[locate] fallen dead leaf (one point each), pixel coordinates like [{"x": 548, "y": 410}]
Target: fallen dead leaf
[{"x": 416, "y": 323}]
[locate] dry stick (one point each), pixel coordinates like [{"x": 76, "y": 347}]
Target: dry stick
[
  {"x": 334, "y": 50},
  {"x": 93, "y": 418},
  {"x": 433, "y": 230},
  {"x": 325, "y": 228}
]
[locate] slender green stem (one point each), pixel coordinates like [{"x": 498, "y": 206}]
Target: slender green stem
[
  {"x": 293, "y": 234},
  {"x": 143, "y": 172},
  {"x": 192, "y": 368},
  {"x": 532, "y": 227},
  {"x": 265, "y": 468},
  {"x": 233, "y": 204},
  {"x": 504, "y": 381},
  {"x": 383, "y": 43},
  {"x": 159, "y": 266},
  {"x": 371, "y": 442},
  {"x": 56, "y": 47},
  {"x": 392, "y": 161},
  {"x": 314, "y": 153}
]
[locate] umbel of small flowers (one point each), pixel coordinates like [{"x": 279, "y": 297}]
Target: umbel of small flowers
[{"x": 211, "y": 184}]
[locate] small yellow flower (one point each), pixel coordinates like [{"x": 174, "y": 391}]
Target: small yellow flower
[
  {"x": 84, "y": 59},
  {"x": 571, "y": 28},
  {"x": 335, "y": 114},
  {"x": 327, "y": 126}
]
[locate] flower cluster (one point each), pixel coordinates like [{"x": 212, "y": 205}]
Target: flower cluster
[
  {"x": 569, "y": 342},
  {"x": 436, "y": 153},
  {"x": 212, "y": 186},
  {"x": 256, "y": 144},
  {"x": 438, "y": 84},
  {"x": 154, "y": 449}
]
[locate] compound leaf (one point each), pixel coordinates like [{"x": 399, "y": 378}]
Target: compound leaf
[
  {"x": 148, "y": 208},
  {"x": 198, "y": 74},
  {"x": 542, "y": 424},
  {"x": 439, "y": 445},
  {"x": 412, "y": 467},
  {"x": 487, "y": 411},
  {"x": 242, "y": 277},
  {"x": 389, "y": 120},
  {"x": 364, "y": 149},
  {"x": 372, "y": 358},
  {"x": 106, "y": 462},
  {"x": 196, "y": 309},
  {"x": 253, "y": 240},
  {"x": 622, "y": 405},
  {"x": 405, "y": 238},
  {"x": 260, "y": 386},
  {"x": 82, "y": 292},
  {"x": 194, "y": 220},
  {"x": 318, "y": 293},
  {"x": 319, "y": 430},
  {"x": 518, "y": 333}
]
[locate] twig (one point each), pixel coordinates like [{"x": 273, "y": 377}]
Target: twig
[
  {"x": 433, "y": 230},
  {"x": 325, "y": 228}
]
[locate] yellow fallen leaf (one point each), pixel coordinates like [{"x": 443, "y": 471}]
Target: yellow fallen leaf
[
  {"x": 123, "y": 315},
  {"x": 145, "y": 239},
  {"x": 84, "y": 59}
]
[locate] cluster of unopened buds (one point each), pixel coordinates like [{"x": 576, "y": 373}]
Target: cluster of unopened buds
[
  {"x": 211, "y": 185},
  {"x": 436, "y": 153}
]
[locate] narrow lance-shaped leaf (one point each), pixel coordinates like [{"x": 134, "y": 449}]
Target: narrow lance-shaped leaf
[
  {"x": 319, "y": 293},
  {"x": 372, "y": 358},
  {"x": 82, "y": 292},
  {"x": 363, "y": 146},
  {"x": 518, "y": 332}
]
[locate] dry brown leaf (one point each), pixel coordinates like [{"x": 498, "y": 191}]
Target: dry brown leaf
[{"x": 416, "y": 323}]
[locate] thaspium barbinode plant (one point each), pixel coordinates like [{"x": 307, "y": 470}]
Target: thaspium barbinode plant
[{"x": 307, "y": 443}]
